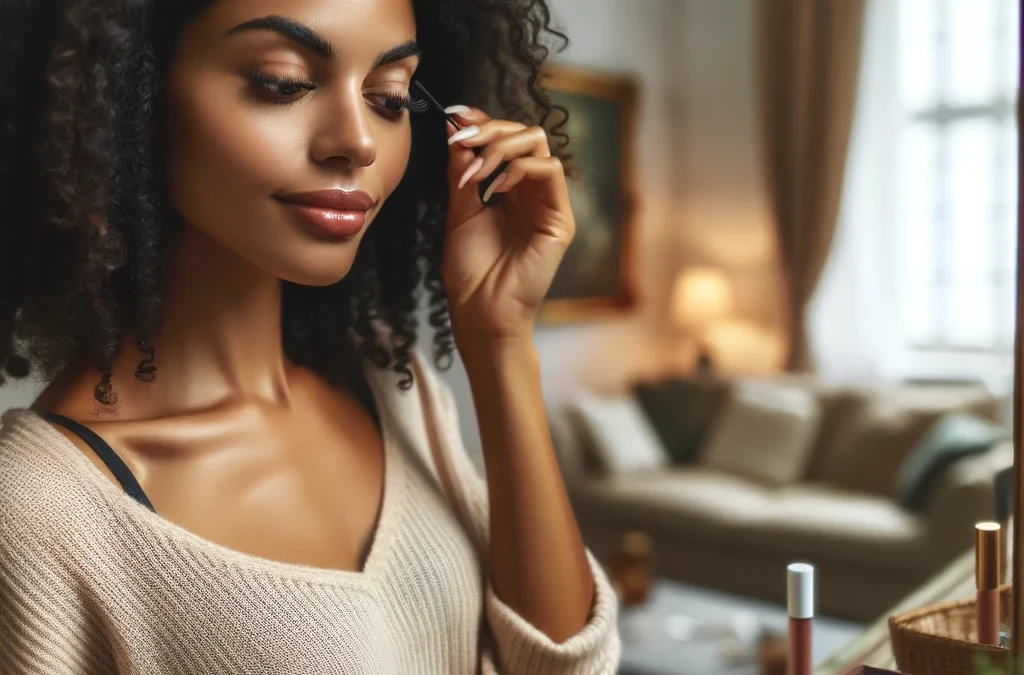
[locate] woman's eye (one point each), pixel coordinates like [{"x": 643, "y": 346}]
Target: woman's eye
[
  {"x": 393, "y": 105},
  {"x": 282, "y": 87}
]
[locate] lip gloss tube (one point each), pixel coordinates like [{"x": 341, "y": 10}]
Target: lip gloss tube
[
  {"x": 987, "y": 573},
  {"x": 800, "y": 607}
]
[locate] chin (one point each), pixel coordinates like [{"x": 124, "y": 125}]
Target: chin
[
  {"x": 316, "y": 278},
  {"x": 322, "y": 269}
]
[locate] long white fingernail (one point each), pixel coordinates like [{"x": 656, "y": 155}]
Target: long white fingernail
[
  {"x": 468, "y": 132},
  {"x": 457, "y": 109},
  {"x": 498, "y": 182},
  {"x": 470, "y": 171}
]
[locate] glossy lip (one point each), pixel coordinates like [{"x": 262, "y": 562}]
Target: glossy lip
[
  {"x": 334, "y": 214},
  {"x": 339, "y": 200}
]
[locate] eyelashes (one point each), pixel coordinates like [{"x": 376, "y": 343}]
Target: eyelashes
[
  {"x": 285, "y": 91},
  {"x": 396, "y": 103},
  {"x": 284, "y": 87}
]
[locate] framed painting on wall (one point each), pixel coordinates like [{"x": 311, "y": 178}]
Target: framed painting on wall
[{"x": 596, "y": 278}]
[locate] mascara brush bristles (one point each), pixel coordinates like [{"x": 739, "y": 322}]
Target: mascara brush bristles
[
  {"x": 421, "y": 104},
  {"x": 429, "y": 97},
  {"x": 418, "y": 105}
]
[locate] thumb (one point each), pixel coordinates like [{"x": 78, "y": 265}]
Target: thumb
[{"x": 462, "y": 203}]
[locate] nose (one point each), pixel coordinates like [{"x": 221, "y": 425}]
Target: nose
[{"x": 344, "y": 132}]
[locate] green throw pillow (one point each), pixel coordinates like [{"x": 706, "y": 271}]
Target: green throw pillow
[
  {"x": 951, "y": 438},
  {"x": 681, "y": 411}
]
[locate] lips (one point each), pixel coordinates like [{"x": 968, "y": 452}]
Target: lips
[
  {"x": 334, "y": 214},
  {"x": 339, "y": 200}
]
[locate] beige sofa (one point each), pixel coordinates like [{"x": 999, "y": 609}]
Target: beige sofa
[{"x": 718, "y": 529}]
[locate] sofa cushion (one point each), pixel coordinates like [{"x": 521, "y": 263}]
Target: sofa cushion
[
  {"x": 952, "y": 437},
  {"x": 822, "y": 522},
  {"x": 840, "y": 408},
  {"x": 866, "y": 453},
  {"x": 619, "y": 436},
  {"x": 764, "y": 432},
  {"x": 673, "y": 501},
  {"x": 696, "y": 506},
  {"x": 681, "y": 411}
]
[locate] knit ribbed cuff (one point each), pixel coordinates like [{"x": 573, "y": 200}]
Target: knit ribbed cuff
[{"x": 522, "y": 649}]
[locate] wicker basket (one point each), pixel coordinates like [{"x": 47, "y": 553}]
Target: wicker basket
[{"x": 937, "y": 640}]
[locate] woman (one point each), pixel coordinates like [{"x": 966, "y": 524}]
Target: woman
[{"x": 214, "y": 216}]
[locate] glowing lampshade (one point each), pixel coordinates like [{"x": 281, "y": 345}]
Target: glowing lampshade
[{"x": 700, "y": 296}]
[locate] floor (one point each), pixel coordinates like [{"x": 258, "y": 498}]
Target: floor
[{"x": 686, "y": 630}]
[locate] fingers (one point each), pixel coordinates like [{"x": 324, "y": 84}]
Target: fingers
[
  {"x": 500, "y": 142},
  {"x": 468, "y": 116},
  {"x": 459, "y": 158},
  {"x": 475, "y": 136},
  {"x": 546, "y": 172}
]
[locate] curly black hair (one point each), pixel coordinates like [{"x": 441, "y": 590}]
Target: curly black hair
[{"x": 85, "y": 222}]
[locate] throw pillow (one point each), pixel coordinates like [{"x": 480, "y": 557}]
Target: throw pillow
[
  {"x": 840, "y": 407},
  {"x": 620, "y": 437},
  {"x": 1004, "y": 494},
  {"x": 865, "y": 455},
  {"x": 952, "y": 437},
  {"x": 681, "y": 411},
  {"x": 765, "y": 432}
]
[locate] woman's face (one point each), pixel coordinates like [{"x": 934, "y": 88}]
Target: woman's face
[{"x": 286, "y": 131}]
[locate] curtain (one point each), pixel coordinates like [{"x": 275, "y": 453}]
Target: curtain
[
  {"x": 809, "y": 55},
  {"x": 852, "y": 321}
]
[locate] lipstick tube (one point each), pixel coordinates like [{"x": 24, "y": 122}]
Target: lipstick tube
[
  {"x": 987, "y": 573},
  {"x": 800, "y": 607}
]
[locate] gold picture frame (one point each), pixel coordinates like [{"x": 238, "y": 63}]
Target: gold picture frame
[{"x": 597, "y": 277}]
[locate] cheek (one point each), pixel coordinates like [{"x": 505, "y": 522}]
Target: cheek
[
  {"x": 394, "y": 161},
  {"x": 220, "y": 157}
]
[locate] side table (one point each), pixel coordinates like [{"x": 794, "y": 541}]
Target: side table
[{"x": 687, "y": 630}]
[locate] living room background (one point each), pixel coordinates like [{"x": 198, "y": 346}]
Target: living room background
[{"x": 700, "y": 184}]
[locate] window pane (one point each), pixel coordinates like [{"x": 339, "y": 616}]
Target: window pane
[
  {"x": 1010, "y": 45},
  {"x": 970, "y": 320},
  {"x": 917, "y": 40},
  {"x": 917, "y": 195},
  {"x": 970, "y": 28},
  {"x": 1007, "y": 214}
]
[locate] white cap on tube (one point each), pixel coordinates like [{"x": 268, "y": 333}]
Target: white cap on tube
[{"x": 800, "y": 591}]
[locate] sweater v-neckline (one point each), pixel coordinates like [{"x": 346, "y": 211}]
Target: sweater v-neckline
[{"x": 374, "y": 563}]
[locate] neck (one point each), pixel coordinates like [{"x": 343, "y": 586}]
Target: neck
[
  {"x": 220, "y": 331},
  {"x": 219, "y": 339}
]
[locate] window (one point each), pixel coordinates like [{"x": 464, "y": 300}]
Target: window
[
  {"x": 954, "y": 193},
  {"x": 920, "y": 282}
]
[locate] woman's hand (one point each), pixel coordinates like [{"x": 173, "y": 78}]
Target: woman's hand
[{"x": 499, "y": 261}]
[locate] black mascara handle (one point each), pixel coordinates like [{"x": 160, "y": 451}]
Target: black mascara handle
[
  {"x": 486, "y": 182},
  {"x": 419, "y": 105}
]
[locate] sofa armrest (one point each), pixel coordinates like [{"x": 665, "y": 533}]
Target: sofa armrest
[{"x": 965, "y": 495}]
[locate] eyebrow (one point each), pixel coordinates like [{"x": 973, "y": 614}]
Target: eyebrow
[
  {"x": 310, "y": 39},
  {"x": 397, "y": 53}
]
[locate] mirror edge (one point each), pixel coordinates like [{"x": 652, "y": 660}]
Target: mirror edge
[{"x": 1017, "y": 625}]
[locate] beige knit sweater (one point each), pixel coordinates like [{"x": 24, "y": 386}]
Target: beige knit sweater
[{"x": 91, "y": 582}]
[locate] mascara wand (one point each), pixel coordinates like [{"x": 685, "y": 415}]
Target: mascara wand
[{"x": 427, "y": 102}]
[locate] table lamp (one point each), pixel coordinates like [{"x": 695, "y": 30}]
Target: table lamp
[{"x": 700, "y": 296}]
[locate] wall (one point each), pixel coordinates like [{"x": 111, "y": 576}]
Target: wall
[
  {"x": 17, "y": 394},
  {"x": 722, "y": 209}
]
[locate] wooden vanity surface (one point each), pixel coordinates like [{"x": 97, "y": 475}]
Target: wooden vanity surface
[{"x": 872, "y": 648}]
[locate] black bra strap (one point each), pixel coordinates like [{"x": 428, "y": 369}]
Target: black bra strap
[{"x": 107, "y": 454}]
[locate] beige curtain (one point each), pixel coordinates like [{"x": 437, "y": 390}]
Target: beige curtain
[{"x": 809, "y": 57}]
